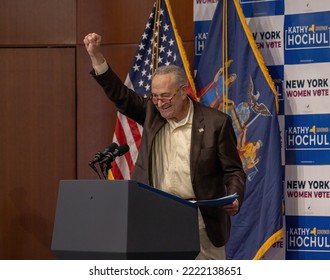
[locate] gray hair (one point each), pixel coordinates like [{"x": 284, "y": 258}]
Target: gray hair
[{"x": 179, "y": 73}]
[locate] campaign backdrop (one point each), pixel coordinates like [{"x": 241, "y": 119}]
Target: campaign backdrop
[{"x": 293, "y": 38}]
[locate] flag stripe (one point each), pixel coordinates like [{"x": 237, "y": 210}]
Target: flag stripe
[{"x": 123, "y": 134}]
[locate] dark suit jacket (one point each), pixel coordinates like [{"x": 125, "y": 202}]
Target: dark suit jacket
[{"x": 216, "y": 168}]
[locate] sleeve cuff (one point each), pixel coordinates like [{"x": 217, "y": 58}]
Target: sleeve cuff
[{"x": 102, "y": 68}]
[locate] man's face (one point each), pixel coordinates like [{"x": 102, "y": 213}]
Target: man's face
[{"x": 169, "y": 98}]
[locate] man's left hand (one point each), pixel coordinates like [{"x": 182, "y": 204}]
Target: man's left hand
[{"x": 232, "y": 208}]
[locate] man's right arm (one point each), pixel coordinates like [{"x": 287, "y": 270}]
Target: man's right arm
[{"x": 92, "y": 43}]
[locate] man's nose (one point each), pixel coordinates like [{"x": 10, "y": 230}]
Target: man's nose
[{"x": 159, "y": 102}]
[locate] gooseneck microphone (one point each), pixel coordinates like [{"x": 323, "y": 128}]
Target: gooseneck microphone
[
  {"x": 100, "y": 155},
  {"x": 110, "y": 156},
  {"x": 105, "y": 158}
]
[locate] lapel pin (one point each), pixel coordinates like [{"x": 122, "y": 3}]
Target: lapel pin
[{"x": 201, "y": 129}]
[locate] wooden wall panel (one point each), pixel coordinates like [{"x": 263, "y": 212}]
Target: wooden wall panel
[
  {"x": 37, "y": 145},
  {"x": 119, "y": 22},
  {"x": 123, "y": 22},
  {"x": 37, "y": 22}
]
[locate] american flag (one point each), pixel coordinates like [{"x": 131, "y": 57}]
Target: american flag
[{"x": 160, "y": 45}]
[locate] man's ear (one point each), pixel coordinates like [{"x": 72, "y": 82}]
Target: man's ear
[{"x": 184, "y": 91}]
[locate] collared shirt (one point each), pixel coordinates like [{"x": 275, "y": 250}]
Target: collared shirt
[{"x": 171, "y": 157}]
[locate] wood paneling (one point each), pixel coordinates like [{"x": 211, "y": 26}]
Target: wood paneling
[
  {"x": 37, "y": 22},
  {"x": 37, "y": 124},
  {"x": 123, "y": 22},
  {"x": 119, "y": 22}
]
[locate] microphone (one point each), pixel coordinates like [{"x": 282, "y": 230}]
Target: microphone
[
  {"x": 118, "y": 151},
  {"x": 100, "y": 155}
]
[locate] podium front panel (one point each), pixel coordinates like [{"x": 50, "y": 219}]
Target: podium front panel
[{"x": 122, "y": 219}]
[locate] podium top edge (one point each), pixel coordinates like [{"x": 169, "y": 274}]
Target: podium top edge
[{"x": 139, "y": 184}]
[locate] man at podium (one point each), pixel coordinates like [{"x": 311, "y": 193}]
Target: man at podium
[{"x": 187, "y": 149}]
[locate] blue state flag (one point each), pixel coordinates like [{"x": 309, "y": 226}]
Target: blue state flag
[{"x": 232, "y": 77}]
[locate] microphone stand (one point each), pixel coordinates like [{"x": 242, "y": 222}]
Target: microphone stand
[
  {"x": 107, "y": 157},
  {"x": 105, "y": 168},
  {"x": 94, "y": 168}
]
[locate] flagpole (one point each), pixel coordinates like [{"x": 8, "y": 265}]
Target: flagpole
[
  {"x": 154, "y": 54},
  {"x": 225, "y": 54}
]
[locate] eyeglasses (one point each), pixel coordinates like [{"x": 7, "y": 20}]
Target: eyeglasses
[{"x": 163, "y": 98}]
